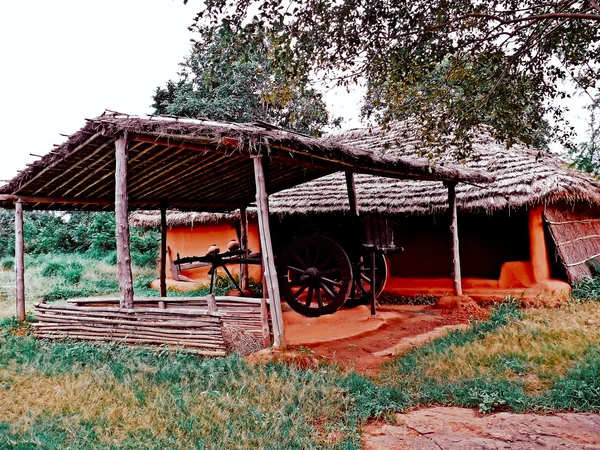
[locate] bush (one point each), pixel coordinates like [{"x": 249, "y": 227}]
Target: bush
[
  {"x": 8, "y": 264},
  {"x": 72, "y": 272},
  {"x": 586, "y": 289},
  {"x": 53, "y": 269}
]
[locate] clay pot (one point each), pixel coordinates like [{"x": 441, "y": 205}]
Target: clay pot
[
  {"x": 233, "y": 245},
  {"x": 213, "y": 249}
]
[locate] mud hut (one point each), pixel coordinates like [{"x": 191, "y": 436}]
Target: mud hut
[{"x": 527, "y": 233}]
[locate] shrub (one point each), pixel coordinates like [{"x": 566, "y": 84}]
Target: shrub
[
  {"x": 71, "y": 272},
  {"x": 53, "y": 269},
  {"x": 8, "y": 264},
  {"x": 111, "y": 258},
  {"x": 586, "y": 289}
]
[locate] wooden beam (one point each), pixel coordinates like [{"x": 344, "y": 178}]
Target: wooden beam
[
  {"x": 163, "y": 250},
  {"x": 270, "y": 281},
  {"x": 456, "y": 276},
  {"x": 19, "y": 262},
  {"x": 101, "y": 202},
  {"x": 122, "y": 224},
  {"x": 352, "y": 193},
  {"x": 244, "y": 246}
]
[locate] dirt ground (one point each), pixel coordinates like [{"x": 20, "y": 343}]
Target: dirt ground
[
  {"x": 410, "y": 325},
  {"x": 446, "y": 428},
  {"x": 356, "y": 341}
]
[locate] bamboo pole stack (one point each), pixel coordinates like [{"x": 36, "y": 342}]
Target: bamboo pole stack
[{"x": 193, "y": 328}]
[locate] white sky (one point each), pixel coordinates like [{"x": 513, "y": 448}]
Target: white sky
[{"x": 63, "y": 61}]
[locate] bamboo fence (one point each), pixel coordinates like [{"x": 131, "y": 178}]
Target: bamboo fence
[{"x": 172, "y": 321}]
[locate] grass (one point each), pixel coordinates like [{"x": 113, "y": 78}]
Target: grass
[
  {"x": 80, "y": 395},
  {"x": 59, "y": 277}
]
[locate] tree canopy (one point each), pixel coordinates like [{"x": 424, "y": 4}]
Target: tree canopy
[
  {"x": 449, "y": 65},
  {"x": 222, "y": 80}
]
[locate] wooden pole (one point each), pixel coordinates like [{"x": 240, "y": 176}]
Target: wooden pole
[
  {"x": 244, "y": 245},
  {"x": 270, "y": 280},
  {"x": 19, "y": 262},
  {"x": 456, "y": 276},
  {"x": 122, "y": 224},
  {"x": 352, "y": 199},
  {"x": 163, "y": 250}
]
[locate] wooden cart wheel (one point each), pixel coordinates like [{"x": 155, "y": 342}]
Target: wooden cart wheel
[
  {"x": 315, "y": 275},
  {"x": 361, "y": 289}
]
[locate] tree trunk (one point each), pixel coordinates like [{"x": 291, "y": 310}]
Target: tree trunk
[{"x": 456, "y": 276}]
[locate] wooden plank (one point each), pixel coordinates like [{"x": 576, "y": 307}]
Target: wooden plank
[
  {"x": 122, "y": 224},
  {"x": 456, "y": 275},
  {"x": 163, "y": 250},
  {"x": 244, "y": 275},
  {"x": 352, "y": 199},
  {"x": 270, "y": 275},
  {"x": 19, "y": 262}
]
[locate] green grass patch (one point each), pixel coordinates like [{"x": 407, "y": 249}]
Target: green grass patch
[{"x": 81, "y": 395}]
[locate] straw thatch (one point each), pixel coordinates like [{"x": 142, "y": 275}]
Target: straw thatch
[
  {"x": 576, "y": 233},
  {"x": 523, "y": 176},
  {"x": 198, "y": 164},
  {"x": 179, "y": 218}
]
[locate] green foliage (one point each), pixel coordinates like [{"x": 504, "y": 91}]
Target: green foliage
[
  {"x": 579, "y": 390},
  {"x": 586, "y": 289},
  {"x": 78, "y": 232},
  {"x": 586, "y": 155},
  {"x": 8, "y": 264},
  {"x": 222, "y": 80},
  {"x": 448, "y": 66}
]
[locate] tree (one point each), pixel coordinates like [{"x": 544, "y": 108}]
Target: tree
[
  {"x": 586, "y": 156},
  {"x": 221, "y": 80},
  {"x": 449, "y": 65}
]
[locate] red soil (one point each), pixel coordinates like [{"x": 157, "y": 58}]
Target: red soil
[{"x": 367, "y": 342}]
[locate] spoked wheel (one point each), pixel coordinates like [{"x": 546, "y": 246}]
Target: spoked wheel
[
  {"x": 362, "y": 285},
  {"x": 315, "y": 275}
]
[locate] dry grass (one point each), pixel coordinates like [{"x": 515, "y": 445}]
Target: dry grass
[
  {"x": 251, "y": 408},
  {"x": 536, "y": 350}
]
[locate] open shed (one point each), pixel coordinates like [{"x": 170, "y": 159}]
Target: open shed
[{"x": 127, "y": 162}]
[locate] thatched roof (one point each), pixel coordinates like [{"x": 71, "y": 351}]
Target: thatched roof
[
  {"x": 180, "y": 218},
  {"x": 523, "y": 176},
  {"x": 198, "y": 164}
]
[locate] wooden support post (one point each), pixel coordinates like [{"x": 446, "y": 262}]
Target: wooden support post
[
  {"x": 373, "y": 299},
  {"x": 122, "y": 224},
  {"x": 270, "y": 280},
  {"x": 19, "y": 261},
  {"x": 352, "y": 199},
  {"x": 211, "y": 302},
  {"x": 163, "y": 250},
  {"x": 244, "y": 245},
  {"x": 264, "y": 319},
  {"x": 456, "y": 276}
]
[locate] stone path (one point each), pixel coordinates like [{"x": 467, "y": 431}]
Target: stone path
[{"x": 461, "y": 429}]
